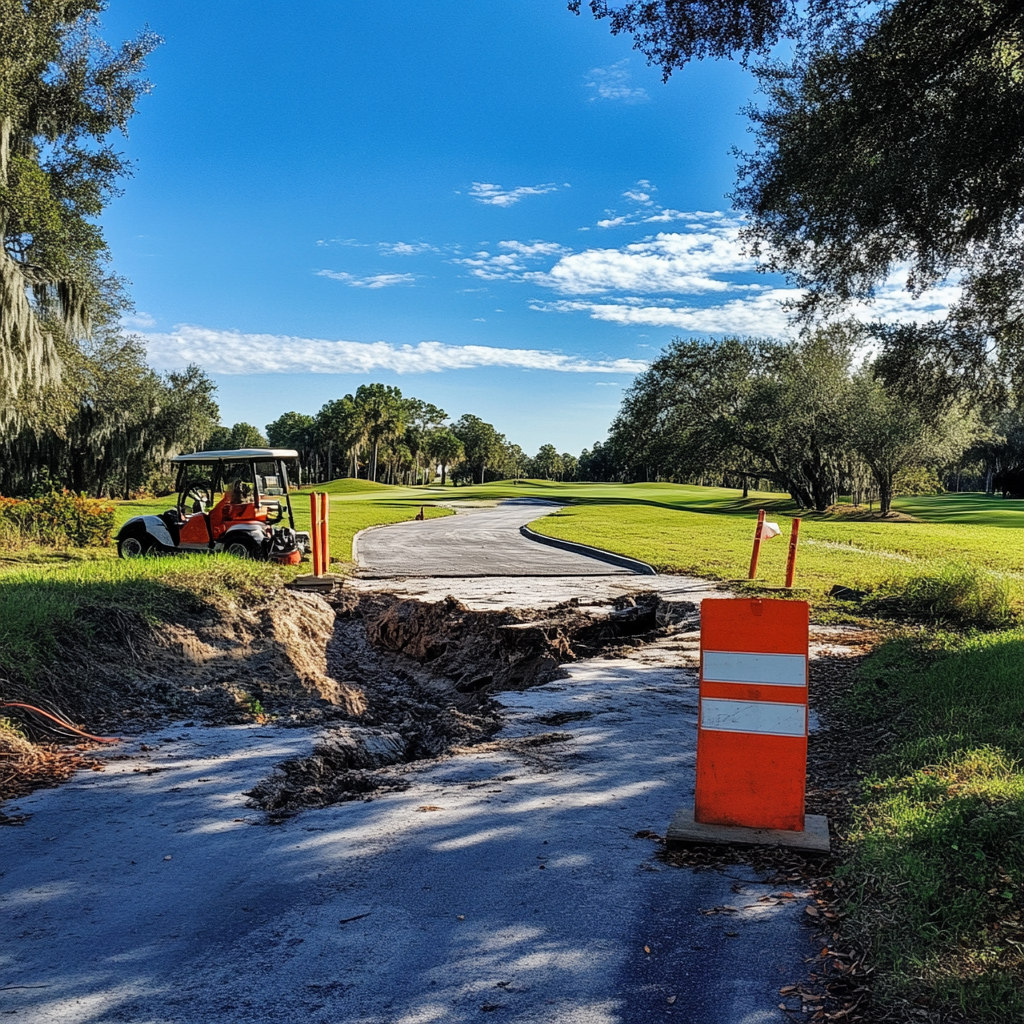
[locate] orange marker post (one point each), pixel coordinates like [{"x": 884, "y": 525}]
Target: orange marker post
[
  {"x": 752, "y": 726},
  {"x": 325, "y": 543},
  {"x": 314, "y": 530},
  {"x": 757, "y": 544},
  {"x": 794, "y": 536}
]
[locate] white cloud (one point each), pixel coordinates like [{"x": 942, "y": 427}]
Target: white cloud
[
  {"x": 681, "y": 262},
  {"x": 529, "y": 249},
  {"x": 761, "y": 313},
  {"x": 613, "y": 222},
  {"x": 372, "y": 281},
  {"x": 641, "y": 194},
  {"x": 613, "y": 83},
  {"x": 138, "y": 319},
  {"x": 495, "y": 195},
  {"x": 232, "y": 352},
  {"x": 512, "y": 263},
  {"x": 406, "y": 248}
]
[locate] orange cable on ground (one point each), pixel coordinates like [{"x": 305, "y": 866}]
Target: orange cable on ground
[{"x": 62, "y": 724}]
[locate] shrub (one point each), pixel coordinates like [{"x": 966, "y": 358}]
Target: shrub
[
  {"x": 59, "y": 518},
  {"x": 958, "y": 592}
]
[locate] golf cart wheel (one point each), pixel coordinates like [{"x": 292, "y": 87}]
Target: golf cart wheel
[
  {"x": 241, "y": 547},
  {"x": 133, "y": 547}
]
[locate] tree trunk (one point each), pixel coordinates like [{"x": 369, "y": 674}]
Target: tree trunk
[
  {"x": 884, "y": 495},
  {"x": 373, "y": 473},
  {"x": 444, "y": 466}
]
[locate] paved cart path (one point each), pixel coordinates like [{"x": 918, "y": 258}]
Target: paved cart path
[
  {"x": 500, "y": 881},
  {"x": 479, "y": 542}
]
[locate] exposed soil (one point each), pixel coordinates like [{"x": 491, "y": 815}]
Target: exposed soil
[{"x": 390, "y": 681}]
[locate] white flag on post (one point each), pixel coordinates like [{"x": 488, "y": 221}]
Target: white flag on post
[{"x": 769, "y": 530}]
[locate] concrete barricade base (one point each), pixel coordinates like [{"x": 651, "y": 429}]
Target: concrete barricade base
[
  {"x": 317, "y": 584},
  {"x": 684, "y": 829}
]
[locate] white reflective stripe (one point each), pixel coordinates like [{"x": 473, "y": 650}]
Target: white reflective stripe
[
  {"x": 737, "y": 667},
  {"x": 753, "y": 716}
]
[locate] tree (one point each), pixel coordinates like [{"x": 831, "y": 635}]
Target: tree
[
  {"x": 62, "y": 92},
  {"x": 340, "y": 426},
  {"x": 889, "y": 144},
  {"x": 791, "y": 419},
  {"x": 482, "y": 443},
  {"x": 383, "y": 415},
  {"x": 294, "y": 430},
  {"x": 547, "y": 462},
  {"x": 445, "y": 449},
  {"x": 241, "y": 435},
  {"x": 891, "y": 436}
]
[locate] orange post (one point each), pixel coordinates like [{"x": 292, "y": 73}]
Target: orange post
[
  {"x": 752, "y": 727},
  {"x": 791, "y": 560},
  {"x": 325, "y": 544},
  {"x": 314, "y": 530},
  {"x": 757, "y": 544}
]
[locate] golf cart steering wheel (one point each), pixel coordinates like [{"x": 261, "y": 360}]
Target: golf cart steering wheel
[
  {"x": 272, "y": 519},
  {"x": 197, "y": 496}
]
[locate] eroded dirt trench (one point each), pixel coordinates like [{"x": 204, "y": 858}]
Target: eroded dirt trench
[
  {"x": 388, "y": 680},
  {"x": 414, "y": 680}
]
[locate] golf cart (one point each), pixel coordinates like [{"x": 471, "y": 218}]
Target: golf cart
[{"x": 228, "y": 501}]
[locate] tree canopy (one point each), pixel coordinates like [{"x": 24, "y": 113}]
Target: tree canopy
[
  {"x": 63, "y": 92},
  {"x": 889, "y": 146}
]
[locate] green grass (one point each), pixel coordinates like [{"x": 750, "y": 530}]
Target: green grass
[
  {"x": 708, "y": 532},
  {"x": 937, "y": 863},
  {"x": 43, "y": 594}
]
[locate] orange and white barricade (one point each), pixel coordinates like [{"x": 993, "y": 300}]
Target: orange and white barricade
[{"x": 752, "y": 724}]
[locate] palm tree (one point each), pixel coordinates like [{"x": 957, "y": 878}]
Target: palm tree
[{"x": 383, "y": 416}]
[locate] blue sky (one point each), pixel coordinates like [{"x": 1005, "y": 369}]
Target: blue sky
[{"x": 496, "y": 206}]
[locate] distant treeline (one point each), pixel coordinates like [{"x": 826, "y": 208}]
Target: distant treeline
[
  {"x": 379, "y": 434},
  {"x": 803, "y": 417},
  {"x": 806, "y": 418}
]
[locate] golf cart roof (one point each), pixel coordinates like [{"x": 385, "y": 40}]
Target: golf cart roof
[{"x": 238, "y": 453}]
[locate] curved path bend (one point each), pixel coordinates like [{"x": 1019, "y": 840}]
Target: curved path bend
[{"x": 479, "y": 542}]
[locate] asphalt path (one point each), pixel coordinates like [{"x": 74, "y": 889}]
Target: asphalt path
[
  {"x": 477, "y": 542},
  {"x": 501, "y": 881}
]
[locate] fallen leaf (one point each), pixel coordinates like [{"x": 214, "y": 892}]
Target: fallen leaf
[
  {"x": 812, "y": 911},
  {"x": 647, "y": 949},
  {"x": 786, "y": 989},
  {"x": 429, "y": 807},
  {"x": 670, "y": 1000}
]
